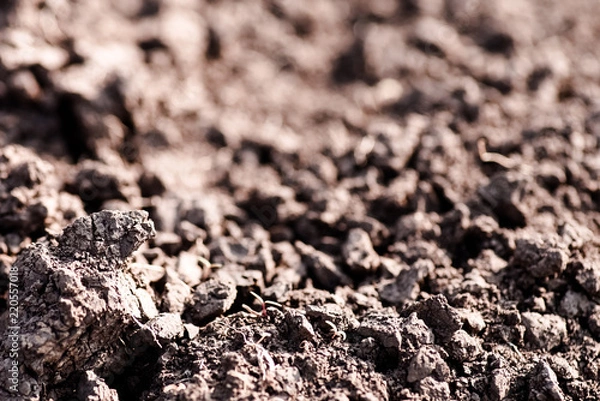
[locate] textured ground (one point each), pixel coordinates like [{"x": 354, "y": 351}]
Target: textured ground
[{"x": 413, "y": 186}]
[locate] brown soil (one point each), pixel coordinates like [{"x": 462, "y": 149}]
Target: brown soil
[{"x": 344, "y": 199}]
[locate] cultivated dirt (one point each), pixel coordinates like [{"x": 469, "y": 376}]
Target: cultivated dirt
[{"x": 300, "y": 200}]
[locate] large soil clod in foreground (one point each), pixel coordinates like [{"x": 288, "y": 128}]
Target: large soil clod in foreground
[{"x": 78, "y": 302}]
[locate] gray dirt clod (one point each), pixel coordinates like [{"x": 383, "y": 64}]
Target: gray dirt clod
[
  {"x": 463, "y": 347},
  {"x": 147, "y": 305},
  {"x": 442, "y": 318},
  {"x": 594, "y": 322},
  {"x": 406, "y": 285},
  {"x": 175, "y": 294},
  {"x": 472, "y": 319},
  {"x": 543, "y": 384},
  {"x": 563, "y": 368},
  {"x": 424, "y": 363},
  {"x": 109, "y": 236},
  {"x": 499, "y": 384},
  {"x": 298, "y": 326},
  {"x": 574, "y": 303},
  {"x": 188, "y": 269},
  {"x": 384, "y": 327},
  {"x": 230, "y": 250},
  {"x": 544, "y": 331},
  {"x": 327, "y": 274},
  {"x": 166, "y": 327},
  {"x": 589, "y": 276},
  {"x": 390, "y": 268},
  {"x": 29, "y": 197},
  {"x": 431, "y": 389},
  {"x": 245, "y": 280},
  {"x": 358, "y": 252},
  {"x": 93, "y": 388},
  {"x": 211, "y": 299},
  {"x": 420, "y": 249},
  {"x": 541, "y": 256},
  {"x": 415, "y": 333},
  {"x": 77, "y": 298},
  {"x": 341, "y": 317}
]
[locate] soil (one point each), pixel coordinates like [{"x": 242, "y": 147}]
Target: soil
[{"x": 300, "y": 200}]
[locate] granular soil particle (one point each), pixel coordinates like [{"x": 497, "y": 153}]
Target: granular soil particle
[{"x": 309, "y": 200}]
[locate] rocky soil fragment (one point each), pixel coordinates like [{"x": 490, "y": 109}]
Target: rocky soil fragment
[
  {"x": 426, "y": 361},
  {"x": 165, "y": 327},
  {"x": 327, "y": 273},
  {"x": 77, "y": 298},
  {"x": 543, "y": 384},
  {"x": 544, "y": 331},
  {"x": 30, "y": 197},
  {"x": 442, "y": 318},
  {"x": 405, "y": 286},
  {"x": 463, "y": 347},
  {"x": 93, "y": 388},
  {"x": 385, "y": 328},
  {"x": 588, "y": 275},
  {"x": 541, "y": 257},
  {"x": 211, "y": 299},
  {"x": 359, "y": 253}
]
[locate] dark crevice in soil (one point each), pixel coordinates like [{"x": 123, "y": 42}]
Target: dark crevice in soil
[{"x": 71, "y": 128}]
